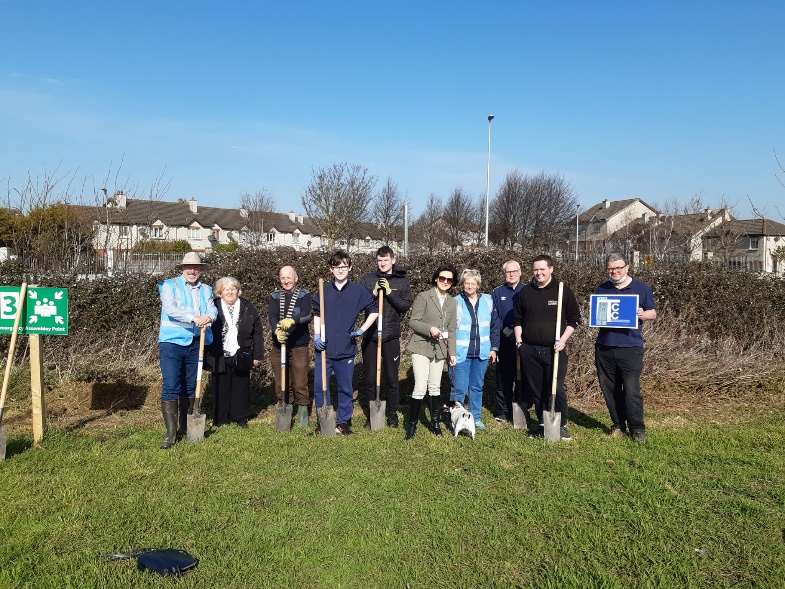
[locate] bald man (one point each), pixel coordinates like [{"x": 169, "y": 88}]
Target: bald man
[{"x": 289, "y": 313}]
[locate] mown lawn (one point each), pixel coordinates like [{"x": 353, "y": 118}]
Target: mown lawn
[{"x": 700, "y": 506}]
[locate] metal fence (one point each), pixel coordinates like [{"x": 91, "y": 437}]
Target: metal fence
[{"x": 93, "y": 265}]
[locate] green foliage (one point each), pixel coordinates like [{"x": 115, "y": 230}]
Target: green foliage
[
  {"x": 226, "y": 248},
  {"x": 161, "y": 246},
  {"x": 697, "y": 506}
]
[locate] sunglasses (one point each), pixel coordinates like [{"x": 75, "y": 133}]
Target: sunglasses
[{"x": 446, "y": 279}]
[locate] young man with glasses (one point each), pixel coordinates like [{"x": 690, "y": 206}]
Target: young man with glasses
[
  {"x": 508, "y": 385},
  {"x": 390, "y": 279},
  {"x": 618, "y": 353},
  {"x": 344, "y": 301}
]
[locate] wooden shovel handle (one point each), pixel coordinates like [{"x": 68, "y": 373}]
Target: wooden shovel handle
[
  {"x": 379, "y": 329},
  {"x": 323, "y": 331},
  {"x": 12, "y": 344},
  {"x": 555, "y": 353},
  {"x": 201, "y": 363},
  {"x": 283, "y": 369}
]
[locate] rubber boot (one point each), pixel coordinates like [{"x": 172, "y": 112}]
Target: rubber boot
[
  {"x": 185, "y": 404},
  {"x": 436, "y": 415},
  {"x": 169, "y": 411},
  {"x": 302, "y": 415},
  {"x": 412, "y": 418}
]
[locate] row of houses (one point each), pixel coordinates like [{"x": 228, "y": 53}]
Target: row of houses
[
  {"x": 632, "y": 225},
  {"x": 124, "y": 222}
]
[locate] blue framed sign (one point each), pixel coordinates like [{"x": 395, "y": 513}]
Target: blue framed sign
[{"x": 613, "y": 311}]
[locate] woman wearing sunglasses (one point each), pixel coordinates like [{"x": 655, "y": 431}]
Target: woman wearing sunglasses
[{"x": 433, "y": 321}]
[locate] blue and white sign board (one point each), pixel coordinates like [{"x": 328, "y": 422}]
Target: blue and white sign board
[{"x": 613, "y": 311}]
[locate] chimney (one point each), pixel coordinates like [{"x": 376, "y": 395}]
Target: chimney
[
  {"x": 708, "y": 214},
  {"x": 193, "y": 205},
  {"x": 300, "y": 219},
  {"x": 605, "y": 203},
  {"x": 292, "y": 216},
  {"x": 120, "y": 200}
]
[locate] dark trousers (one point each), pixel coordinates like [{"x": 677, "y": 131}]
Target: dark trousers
[
  {"x": 343, "y": 370},
  {"x": 391, "y": 362},
  {"x": 230, "y": 391},
  {"x": 179, "y": 365},
  {"x": 509, "y": 383},
  {"x": 537, "y": 365},
  {"x": 619, "y": 373},
  {"x": 296, "y": 372}
]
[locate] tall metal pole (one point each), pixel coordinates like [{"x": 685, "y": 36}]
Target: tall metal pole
[
  {"x": 577, "y": 214},
  {"x": 488, "y": 181},
  {"x": 405, "y": 229}
]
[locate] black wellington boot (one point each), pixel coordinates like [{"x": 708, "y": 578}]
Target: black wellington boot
[
  {"x": 412, "y": 418},
  {"x": 185, "y": 404},
  {"x": 169, "y": 411},
  {"x": 435, "y": 407}
]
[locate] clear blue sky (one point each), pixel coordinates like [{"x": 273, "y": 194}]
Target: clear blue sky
[{"x": 661, "y": 100}]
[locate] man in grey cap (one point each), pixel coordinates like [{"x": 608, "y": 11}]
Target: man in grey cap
[{"x": 186, "y": 307}]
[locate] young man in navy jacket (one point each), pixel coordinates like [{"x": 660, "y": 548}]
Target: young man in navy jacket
[{"x": 344, "y": 302}]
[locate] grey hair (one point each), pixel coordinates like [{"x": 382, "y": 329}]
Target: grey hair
[
  {"x": 282, "y": 268},
  {"x": 615, "y": 257},
  {"x": 508, "y": 262},
  {"x": 224, "y": 282},
  {"x": 471, "y": 273}
]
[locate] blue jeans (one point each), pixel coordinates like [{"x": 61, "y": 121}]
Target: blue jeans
[
  {"x": 343, "y": 369},
  {"x": 469, "y": 377},
  {"x": 178, "y": 369}
]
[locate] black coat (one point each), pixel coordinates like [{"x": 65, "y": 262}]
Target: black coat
[
  {"x": 249, "y": 337},
  {"x": 395, "y": 304}
]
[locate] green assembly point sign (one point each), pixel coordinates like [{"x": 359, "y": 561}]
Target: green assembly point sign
[{"x": 45, "y": 311}]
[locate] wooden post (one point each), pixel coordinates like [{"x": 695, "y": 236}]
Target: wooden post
[{"x": 37, "y": 388}]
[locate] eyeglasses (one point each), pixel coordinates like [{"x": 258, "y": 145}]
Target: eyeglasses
[
  {"x": 446, "y": 279},
  {"x": 617, "y": 268},
  {"x": 512, "y": 271},
  {"x": 343, "y": 267}
]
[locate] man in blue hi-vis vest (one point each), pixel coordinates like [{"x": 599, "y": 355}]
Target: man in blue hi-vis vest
[{"x": 186, "y": 306}]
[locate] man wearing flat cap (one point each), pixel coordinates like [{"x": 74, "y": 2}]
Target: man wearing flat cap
[{"x": 186, "y": 307}]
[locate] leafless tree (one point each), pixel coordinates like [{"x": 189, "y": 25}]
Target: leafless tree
[
  {"x": 255, "y": 207},
  {"x": 507, "y": 212},
  {"x": 388, "y": 211},
  {"x": 428, "y": 228},
  {"x": 338, "y": 200},
  {"x": 459, "y": 217}
]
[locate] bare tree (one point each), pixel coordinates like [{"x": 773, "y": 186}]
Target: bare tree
[
  {"x": 507, "y": 211},
  {"x": 388, "y": 211},
  {"x": 338, "y": 200},
  {"x": 458, "y": 216},
  {"x": 255, "y": 208},
  {"x": 428, "y": 228}
]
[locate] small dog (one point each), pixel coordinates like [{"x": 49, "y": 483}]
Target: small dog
[{"x": 461, "y": 420}]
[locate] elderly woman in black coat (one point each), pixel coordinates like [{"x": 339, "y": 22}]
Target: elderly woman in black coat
[{"x": 236, "y": 349}]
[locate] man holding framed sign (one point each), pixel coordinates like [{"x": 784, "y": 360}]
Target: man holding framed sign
[{"x": 618, "y": 352}]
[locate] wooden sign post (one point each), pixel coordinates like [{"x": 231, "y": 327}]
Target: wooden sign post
[{"x": 37, "y": 389}]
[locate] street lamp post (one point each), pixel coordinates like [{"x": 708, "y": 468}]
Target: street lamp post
[
  {"x": 577, "y": 214},
  {"x": 488, "y": 180}
]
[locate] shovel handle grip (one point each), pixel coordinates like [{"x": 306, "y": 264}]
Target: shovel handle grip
[
  {"x": 323, "y": 331},
  {"x": 12, "y": 344},
  {"x": 379, "y": 329},
  {"x": 283, "y": 368},
  {"x": 200, "y": 364},
  {"x": 555, "y": 353}
]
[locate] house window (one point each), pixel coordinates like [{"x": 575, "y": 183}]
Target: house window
[
  {"x": 124, "y": 231},
  {"x": 367, "y": 242},
  {"x": 296, "y": 237},
  {"x": 157, "y": 233},
  {"x": 754, "y": 243},
  {"x": 271, "y": 236},
  {"x": 216, "y": 234},
  {"x": 193, "y": 233}
]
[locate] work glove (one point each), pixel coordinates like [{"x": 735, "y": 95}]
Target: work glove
[
  {"x": 281, "y": 335},
  {"x": 357, "y": 333},
  {"x": 286, "y": 324},
  {"x": 319, "y": 344},
  {"x": 381, "y": 284}
]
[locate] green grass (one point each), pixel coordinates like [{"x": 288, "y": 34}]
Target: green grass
[{"x": 697, "y": 506}]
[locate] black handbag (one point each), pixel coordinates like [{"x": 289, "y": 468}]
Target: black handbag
[{"x": 168, "y": 562}]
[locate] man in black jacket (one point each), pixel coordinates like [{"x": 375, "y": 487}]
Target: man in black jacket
[
  {"x": 535, "y": 334},
  {"x": 391, "y": 280}
]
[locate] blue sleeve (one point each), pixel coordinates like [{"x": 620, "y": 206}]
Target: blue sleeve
[
  {"x": 171, "y": 308},
  {"x": 647, "y": 301},
  {"x": 496, "y": 326},
  {"x": 368, "y": 302},
  {"x": 212, "y": 310}
]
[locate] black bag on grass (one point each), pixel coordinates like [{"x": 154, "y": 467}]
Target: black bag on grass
[{"x": 166, "y": 562}]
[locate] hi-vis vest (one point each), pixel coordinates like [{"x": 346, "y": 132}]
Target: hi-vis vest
[
  {"x": 180, "y": 332},
  {"x": 464, "y": 331}
]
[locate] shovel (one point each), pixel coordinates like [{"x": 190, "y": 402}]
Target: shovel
[
  {"x": 378, "y": 407},
  {"x": 196, "y": 419},
  {"x": 552, "y": 419},
  {"x": 283, "y": 412},
  {"x": 326, "y": 413},
  {"x": 518, "y": 417},
  {"x": 9, "y": 360}
]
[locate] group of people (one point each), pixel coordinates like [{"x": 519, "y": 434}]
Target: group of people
[{"x": 513, "y": 329}]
